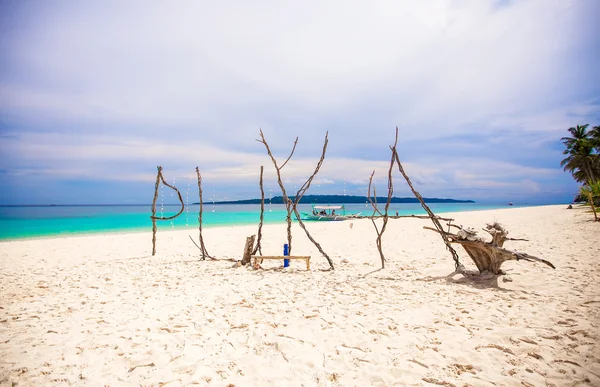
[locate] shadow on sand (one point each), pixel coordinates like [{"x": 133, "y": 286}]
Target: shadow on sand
[{"x": 475, "y": 280}]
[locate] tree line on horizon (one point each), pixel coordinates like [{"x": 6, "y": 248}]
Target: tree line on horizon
[
  {"x": 583, "y": 161},
  {"x": 344, "y": 199}
]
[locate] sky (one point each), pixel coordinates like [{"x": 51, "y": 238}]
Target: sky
[{"x": 95, "y": 94}]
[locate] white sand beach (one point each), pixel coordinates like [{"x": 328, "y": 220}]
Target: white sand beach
[{"x": 100, "y": 310}]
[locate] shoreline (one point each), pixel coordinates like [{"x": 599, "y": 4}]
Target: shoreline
[{"x": 137, "y": 230}]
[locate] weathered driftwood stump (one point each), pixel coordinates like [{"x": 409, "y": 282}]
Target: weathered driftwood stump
[
  {"x": 248, "y": 250},
  {"x": 488, "y": 256}
]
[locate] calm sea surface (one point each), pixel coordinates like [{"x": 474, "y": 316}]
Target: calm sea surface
[{"x": 40, "y": 221}]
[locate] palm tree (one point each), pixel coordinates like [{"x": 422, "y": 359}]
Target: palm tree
[
  {"x": 595, "y": 136},
  {"x": 582, "y": 154},
  {"x": 592, "y": 192}
]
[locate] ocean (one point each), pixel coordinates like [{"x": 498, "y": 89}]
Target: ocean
[{"x": 49, "y": 221}]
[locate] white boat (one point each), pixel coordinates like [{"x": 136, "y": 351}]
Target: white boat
[{"x": 327, "y": 213}]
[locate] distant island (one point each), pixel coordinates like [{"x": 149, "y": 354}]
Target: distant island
[{"x": 325, "y": 199}]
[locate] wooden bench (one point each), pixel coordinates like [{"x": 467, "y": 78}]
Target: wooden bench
[{"x": 256, "y": 258}]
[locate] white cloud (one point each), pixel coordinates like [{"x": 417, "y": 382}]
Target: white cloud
[
  {"x": 92, "y": 87},
  {"x": 57, "y": 156},
  {"x": 148, "y": 63}
]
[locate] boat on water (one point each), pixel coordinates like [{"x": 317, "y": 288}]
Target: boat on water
[{"x": 328, "y": 213}]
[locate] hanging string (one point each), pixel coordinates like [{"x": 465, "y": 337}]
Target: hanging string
[
  {"x": 344, "y": 199},
  {"x": 213, "y": 197},
  {"x": 187, "y": 203},
  {"x": 367, "y": 194},
  {"x": 172, "y": 220},
  {"x": 162, "y": 200}
]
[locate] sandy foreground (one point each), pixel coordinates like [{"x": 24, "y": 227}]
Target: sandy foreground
[{"x": 99, "y": 310}]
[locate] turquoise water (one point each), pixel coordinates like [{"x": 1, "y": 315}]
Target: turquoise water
[{"x": 42, "y": 221}]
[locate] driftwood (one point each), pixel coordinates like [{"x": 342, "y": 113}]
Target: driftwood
[
  {"x": 385, "y": 215},
  {"x": 286, "y": 200},
  {"x": 154, "y": 228},
  {"x": 248, "y": 249},
  {"x": 488, "y": 256},
  {"x": 458, "y": 267},
  {"x": 301, "y": 192},
  {"x": 258, "y": 259},
  {"x": 202, "y": 247},
  {"x": 257, "y": 248},
  {"x": 402, "y": 216},
  {"x": 373, "y": 202},
  {"x": 291, "y": 205},
  {"x": 159, "y": 179}
]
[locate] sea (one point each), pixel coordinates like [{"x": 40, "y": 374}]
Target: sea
[{"x": 18, "y": 222}]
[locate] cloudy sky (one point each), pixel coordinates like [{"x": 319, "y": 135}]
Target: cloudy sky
[{"x": 95, "y": 94}]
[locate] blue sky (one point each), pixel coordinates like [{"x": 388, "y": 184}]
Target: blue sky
[{"x": 94, "y": 95}]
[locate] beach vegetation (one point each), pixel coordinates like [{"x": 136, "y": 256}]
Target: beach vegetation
[
  {"x": 583, "y": 153},
  {"x": 583, "y": 161},
  {"x": 591, "y": 191}
]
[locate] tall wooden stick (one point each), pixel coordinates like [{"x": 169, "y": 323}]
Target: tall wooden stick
[
  {"x": 153, "y": 217},
  {"x": 202, "y": 247},
  {"x": 317, "y": 245},
  {"x": 286, "y": 200},
  {"x": 160, "y": 178},
  {"x": 291, "y": 206},
  {"x": 257, "y": 248},
  {"x": 373, "y": 202},
  {"x": 301, "y": 193},
  {"x": 457, "y": 265},
  {"x": 308, "y": 182},
  {"x": 373, "y": 217}
]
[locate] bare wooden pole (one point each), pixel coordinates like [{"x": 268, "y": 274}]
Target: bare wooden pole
[
  {"x": 257, "y": 248},
  {"x": 302, "y": 191},
  {"x": 160, "y": 178},
  {"x": 292, "y": 206},
  {"x": 385, "y": 215},
  {"x": 373, "y": 202},
  {"x": 308, "y": 182},
  {"x": 286, "y": 200},
  {"x": 457, "y": 265},
  {"x": 202, "y": 247},
  {"x": 154, "y": 228},
  {"x": 317, "y": 245}
]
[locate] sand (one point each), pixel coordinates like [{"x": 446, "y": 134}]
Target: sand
[{"x": 99, "y": 310}]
